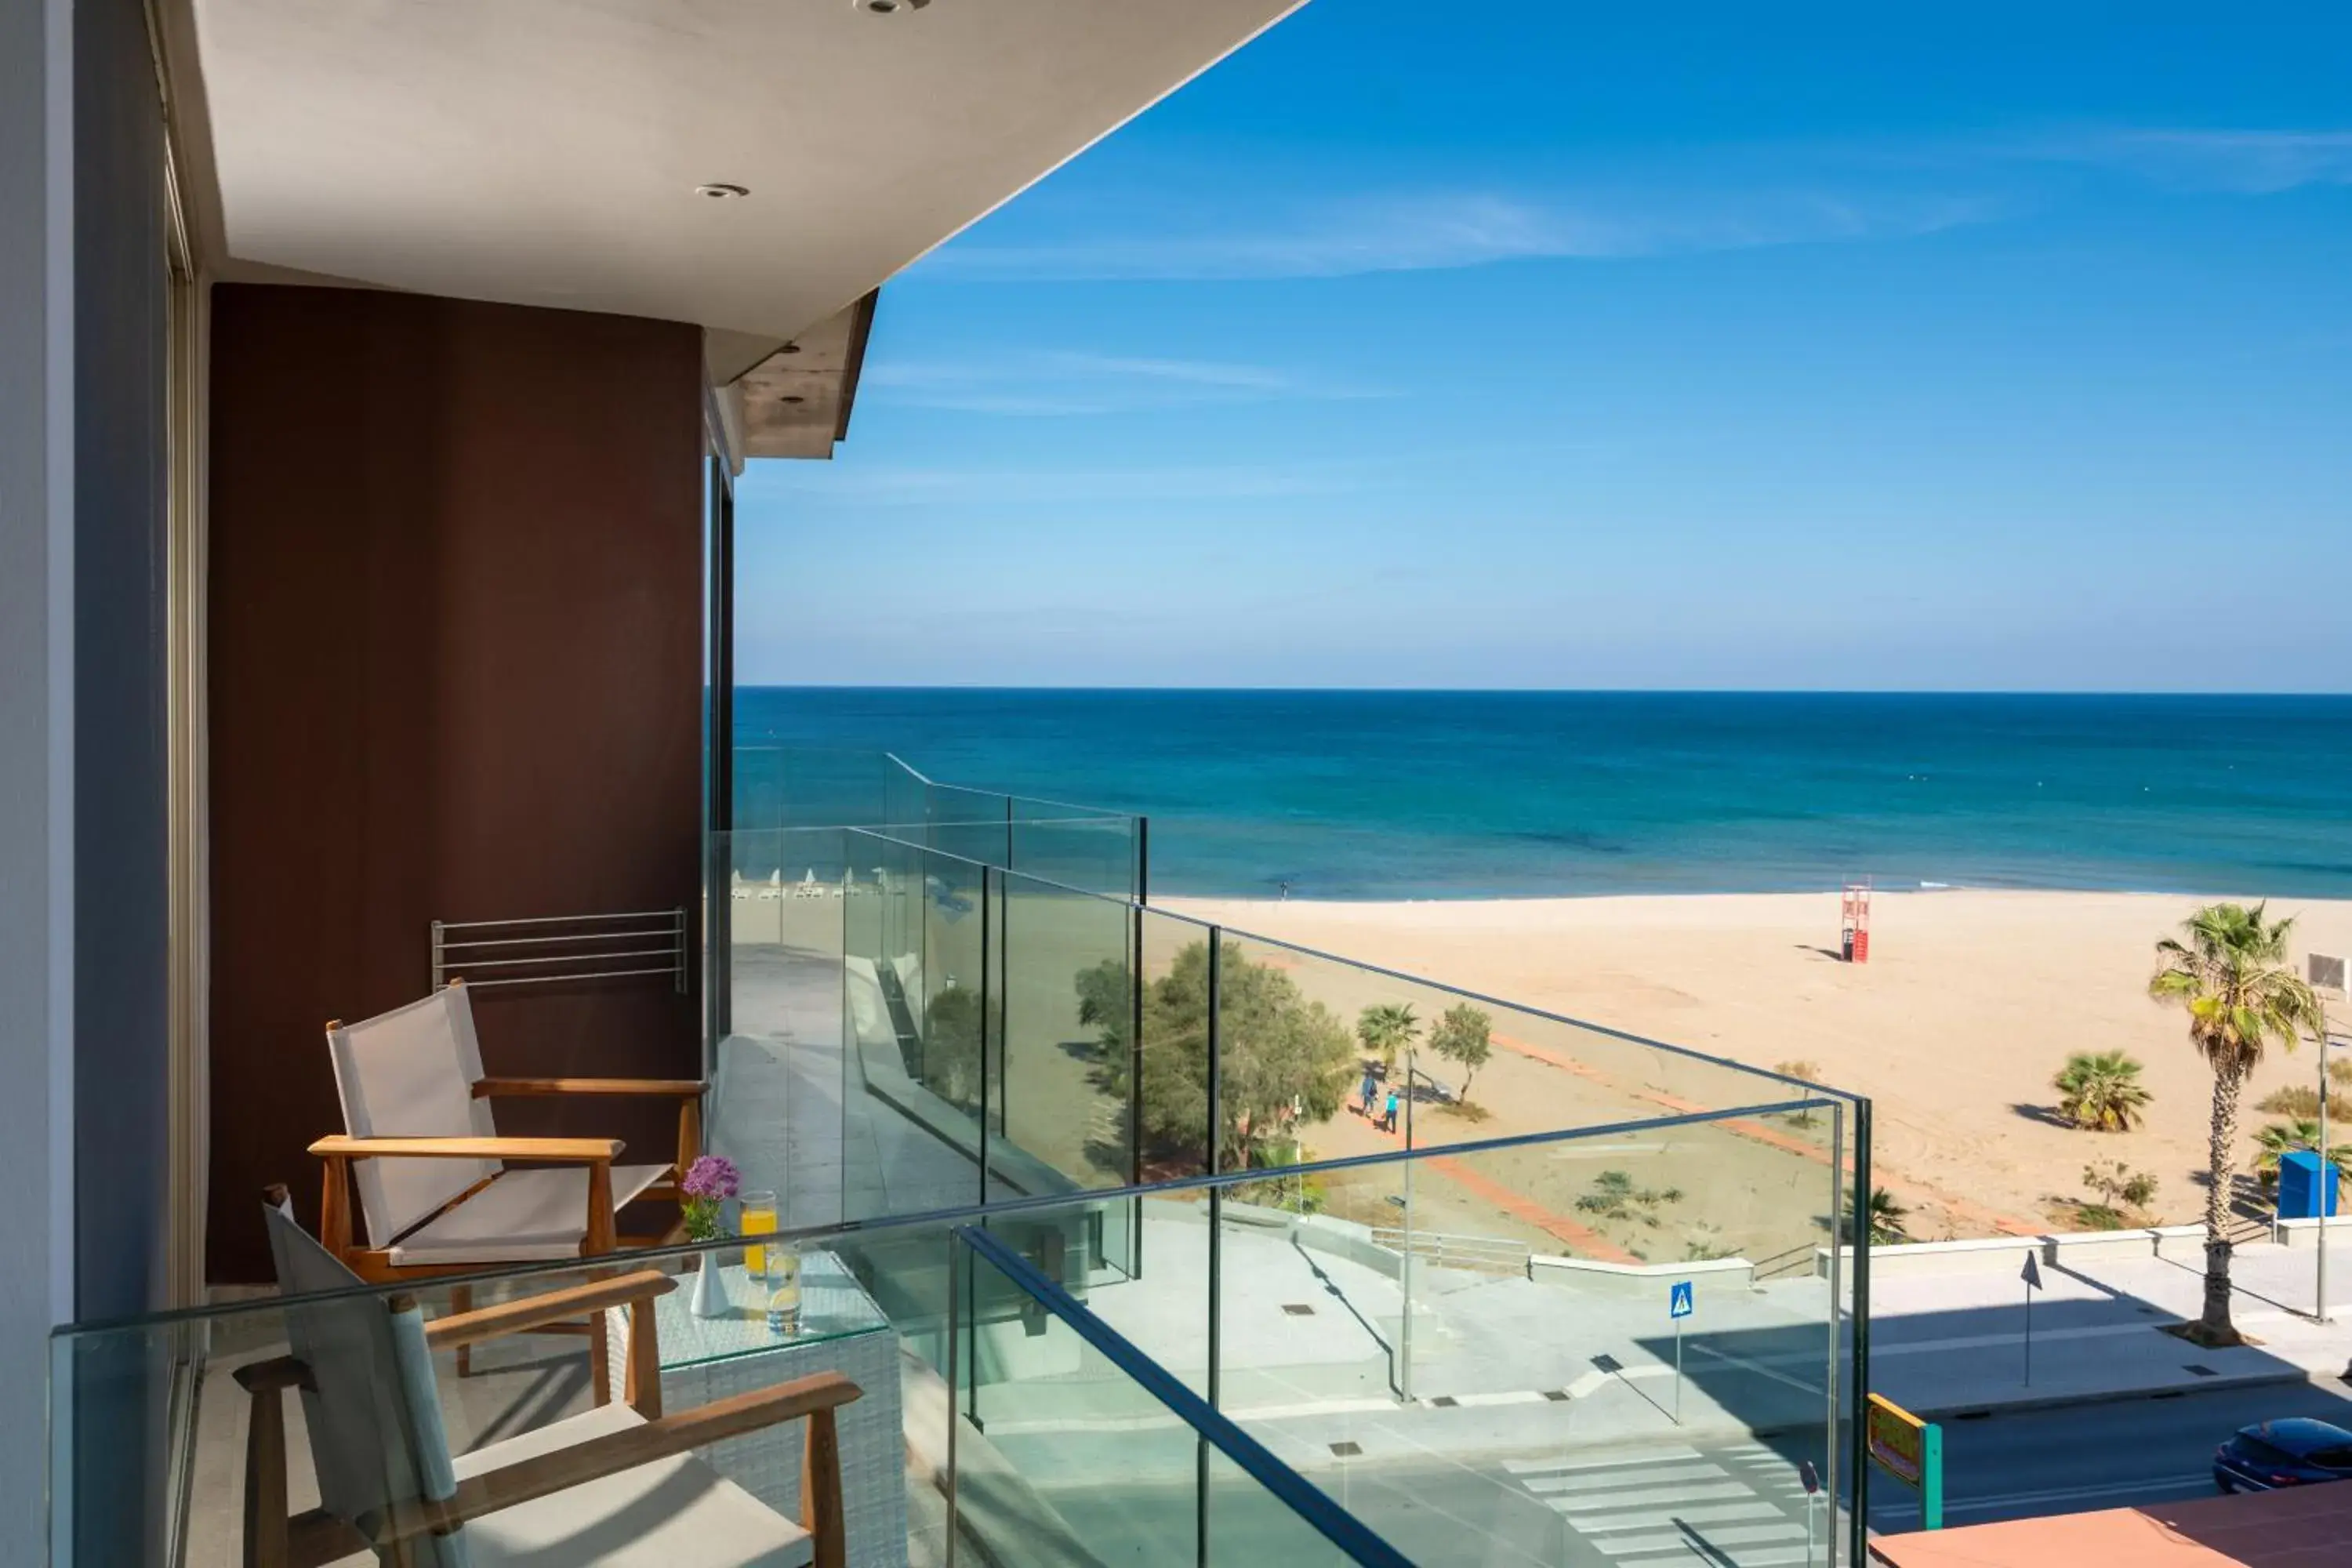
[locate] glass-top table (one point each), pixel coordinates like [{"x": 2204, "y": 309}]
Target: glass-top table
[
  {"x": 841, "y": 1330},
  {"x": 833, "y": 1306}
]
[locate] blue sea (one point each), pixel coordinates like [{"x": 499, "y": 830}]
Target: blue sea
[{"x": 1422, "y": 795}]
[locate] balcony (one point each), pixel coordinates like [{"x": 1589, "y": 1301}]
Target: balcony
[{"x": 1104, "y": 1213}]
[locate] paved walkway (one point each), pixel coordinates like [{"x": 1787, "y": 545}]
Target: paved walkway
[{"x": 1957, "y": 1343}]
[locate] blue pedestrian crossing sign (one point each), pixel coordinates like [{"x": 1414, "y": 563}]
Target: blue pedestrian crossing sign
[{"x": 1678, "y": 1300}]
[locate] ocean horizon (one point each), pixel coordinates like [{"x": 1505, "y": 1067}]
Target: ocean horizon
[{"x": 1358, "y": 795}]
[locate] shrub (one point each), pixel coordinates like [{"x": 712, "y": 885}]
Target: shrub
[
  {"x": 1811, "y": 1072},
  {"x": 2100, "y": 1090},
  {"x": 2301, "y": 1102},
  {"x": 2122, "y": 1191}
]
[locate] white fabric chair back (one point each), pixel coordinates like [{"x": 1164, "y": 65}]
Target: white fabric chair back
[
  {"x": 410, "y": 1073},
  {"x": 371, "y": 1406}
]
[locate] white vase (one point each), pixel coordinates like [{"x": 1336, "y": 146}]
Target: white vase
[{"x": 709, "y": 1294}]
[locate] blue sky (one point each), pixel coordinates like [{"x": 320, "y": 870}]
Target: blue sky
[{"x": 1515, "y": 345}]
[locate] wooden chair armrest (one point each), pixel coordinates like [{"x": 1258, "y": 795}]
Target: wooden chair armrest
[
  {"x": 542, "y": 1475},
  {"x": 564, "y": 1150},
  {"x": 554, "y": 1307},
  {"x": 279, "y": 1371},
  {"x": 529, "y": 1088}
]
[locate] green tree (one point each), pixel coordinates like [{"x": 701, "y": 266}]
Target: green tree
[
  {"x": 1386, "y": 1028},
  {"x": 1285, "y": 1061},
  {"x": 950, "y": 1047},
  {"x": 1466, "y": 1036},
  {"x": 2100, "y": 1090},
  {"x": 2229, "y": 971}
]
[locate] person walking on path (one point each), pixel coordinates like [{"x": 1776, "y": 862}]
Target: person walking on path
[
  {"x": 1388, "y": 1115},
  {"x": 1364, "y": 1095}
]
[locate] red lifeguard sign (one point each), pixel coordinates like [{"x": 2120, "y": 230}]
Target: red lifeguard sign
[{"x": 1854, "y": 922}]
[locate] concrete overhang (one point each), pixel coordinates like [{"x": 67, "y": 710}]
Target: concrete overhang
[{"x": 551, "y": 151}]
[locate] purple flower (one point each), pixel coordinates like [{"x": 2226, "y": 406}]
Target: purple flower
[{"x": 712, "y": 1178}]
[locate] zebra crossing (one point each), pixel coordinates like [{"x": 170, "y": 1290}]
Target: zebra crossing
[{"x": 1742, "y": 1505}]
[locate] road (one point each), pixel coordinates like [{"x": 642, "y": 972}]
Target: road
[
  {"x": 1664, "y": 1505},
  {"x": 2071, "y": 1460},
  {"x": 1651, "y": 1505}
]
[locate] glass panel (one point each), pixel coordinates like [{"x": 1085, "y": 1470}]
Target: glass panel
[
  {"x": 1101, "y": 1456},
  {"x": 1171, "y": 1062},
  {"x": 1077, "y": 1460},
  {"x": 949, "y": 989},
  {"x": 1094, "y": 851},
  {"x": 1500, "y": 1323},
  {"x": 778, "y": 786},
  {"x": 1249, "y": 1526},
  {"x": 775, "y": 1105},
  {"x": 1068, "y": 1014},
  {"x": 1289, "y": 1059},
  {"x": 969, "y": 823}
]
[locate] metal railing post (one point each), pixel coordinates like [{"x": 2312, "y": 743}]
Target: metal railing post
[
  {"x": 1837, "y": 1315},
  {"x": 1858, "y": 1458},
  {"x": 1214, "y": 1157},
  {"x": 955, "y": 1367},
  {"x": 988, "y": 940}
]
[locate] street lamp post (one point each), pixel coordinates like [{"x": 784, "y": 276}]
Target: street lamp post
[
  {"x": 2326, "y": 974},
  {"x": 1404, "y": 1280}
]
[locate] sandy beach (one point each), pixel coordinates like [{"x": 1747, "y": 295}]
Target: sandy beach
[{"x": 1969, "y": 1003}]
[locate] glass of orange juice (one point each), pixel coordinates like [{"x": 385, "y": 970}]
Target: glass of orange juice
[{"x": 759, "y": 1219}]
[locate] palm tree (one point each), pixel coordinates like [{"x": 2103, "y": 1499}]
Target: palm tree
[
  {"x": 1886, "y": 1217},
  {"x": 2230, "y": 971},
  {"x": 2100, "y": 1090},
  {"x": 1385, "y": 1028},
  {"x": 2284, "y": 1137}
]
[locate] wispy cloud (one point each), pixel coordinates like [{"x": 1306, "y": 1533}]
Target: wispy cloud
[
  {"x": 969, "y": 489},
  {"x": 1722, "y": 199},
  {"x": 1412, "y": 232},
  {"x": 1046, "y": 382},
  {"x": 2248, "y": 162}
]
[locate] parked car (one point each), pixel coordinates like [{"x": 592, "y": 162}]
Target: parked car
[{"x": 2294, "y": 1452}]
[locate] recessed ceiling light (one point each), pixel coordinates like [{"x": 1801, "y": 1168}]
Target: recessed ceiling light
[
  {"x": 888, "y": 7},
  {"x": 719, "y": 191}
]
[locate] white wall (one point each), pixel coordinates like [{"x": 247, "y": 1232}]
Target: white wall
[{"x": 36, "y": 737}]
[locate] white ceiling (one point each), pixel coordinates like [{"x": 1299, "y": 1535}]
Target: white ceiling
[{"x": 546, "y": 152}]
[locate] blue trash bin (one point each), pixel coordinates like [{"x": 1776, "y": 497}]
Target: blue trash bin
[{"x": 2304, "y": 1177}]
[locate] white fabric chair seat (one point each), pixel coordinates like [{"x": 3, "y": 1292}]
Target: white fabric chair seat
[
  {"x": 673, "y": 1513},
  {"x": 521, "y": 1216}
]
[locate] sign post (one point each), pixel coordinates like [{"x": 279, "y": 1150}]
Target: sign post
[
  {"x": 2032, "y": 1275},
  {"x": 1909, "y": 1449},
  {"x": 1678, "y": 1306}
]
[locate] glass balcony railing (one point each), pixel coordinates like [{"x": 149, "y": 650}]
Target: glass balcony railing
[
  {"x": 1045, "y": 1039},
  {"x": 1356, "y": 1360},
  {"x": 948, "y": 1033},
  {"x": 787, "y": 788}
]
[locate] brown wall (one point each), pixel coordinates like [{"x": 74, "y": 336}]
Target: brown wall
[{"x": 456, "y": 674}]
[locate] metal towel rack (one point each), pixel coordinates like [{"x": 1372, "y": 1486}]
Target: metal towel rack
[{"x": 557, "y": 954}]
